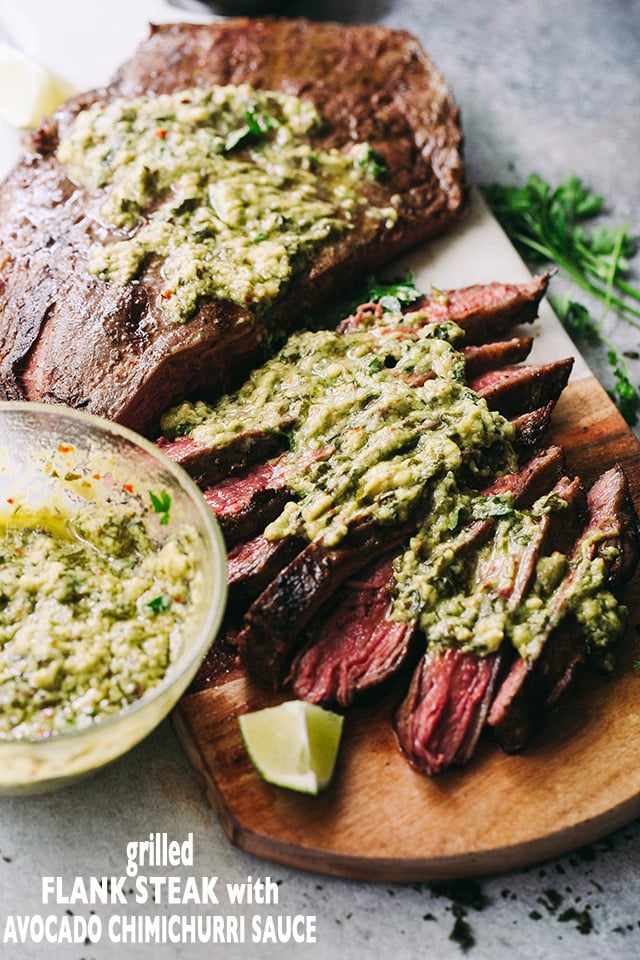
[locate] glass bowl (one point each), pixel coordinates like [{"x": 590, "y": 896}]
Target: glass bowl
[{"x": 53, "y": 457}]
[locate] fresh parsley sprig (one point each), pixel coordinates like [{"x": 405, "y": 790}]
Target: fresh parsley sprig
[
  {"x": 548, "y": 225},
  {"x": 580, "y": 324}
]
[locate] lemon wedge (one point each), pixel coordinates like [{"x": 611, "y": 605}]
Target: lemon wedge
[
  {"x": 28, "y": 90},
  {"x": 293, "y": 745}
]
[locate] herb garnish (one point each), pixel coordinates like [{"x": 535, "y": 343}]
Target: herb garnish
[
  {"x": 256, "y": 124},
  {"x": 392, "y": 295},
  {"x": 373, "y": 162},
  {"x": 547, "y": 226},
  {"x": 161, "y": 505},
  {"x": 159, "y": 604}
]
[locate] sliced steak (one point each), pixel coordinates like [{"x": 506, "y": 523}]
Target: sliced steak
[
  {"x": 482, "y": 358},
  {"x": 274, "y": 622},
  {"x": 440, "y": 720},
  {"x": 243, "y": 508},
  {"x": 532, "y": 686},
  {"x": 353, "y": 646},
  {"x": 211, "y": 463},
  {"x": 251, "y": 566},
  {"x": 484, "y": 311},
  {"x": 441, "y": 717},
  {"x": 530, "y": 429},
  {"x": 534, "y": 478},
  {"x": 246, "y": 502},
  {"x": 68, "y": 337},
  {"x": 520, "y": 389}
]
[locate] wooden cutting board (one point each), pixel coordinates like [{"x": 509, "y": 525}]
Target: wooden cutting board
[{"x": 379, "y": 819}]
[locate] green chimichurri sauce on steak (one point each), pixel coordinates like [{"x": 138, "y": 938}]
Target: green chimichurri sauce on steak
[
  {"x": 382, "y": 428},
  {"x": 222, "y": 184}
]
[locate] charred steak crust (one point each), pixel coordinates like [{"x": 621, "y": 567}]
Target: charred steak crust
[{"x": 67, "y": 337}]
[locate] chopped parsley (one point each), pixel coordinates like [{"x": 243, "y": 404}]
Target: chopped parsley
[{"x": 161, "y": 505}]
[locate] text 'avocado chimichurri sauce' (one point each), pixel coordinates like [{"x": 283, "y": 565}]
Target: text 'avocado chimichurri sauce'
[
  {"x": 222, "y": 185},
  {"x": 381, "y": 426},
  {"x": 92, "y": 612}
]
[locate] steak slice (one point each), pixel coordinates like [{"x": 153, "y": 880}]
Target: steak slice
[
  {"x": 530, "y": 428},
  {"x": 353, "y": 646},
  {"x": 442, "y": 715},
  {"x": 253, "y": 565},
  {"x": 484, "y": 311},
  {"x": 244, "y": 503},
  {"x": 520, "y": 389},
  {"x": 211, "y": 463},
  {"x": 274, "y": 622},
  {"x": 484, "y": 357},
  {"x": 68, "y": 337}
]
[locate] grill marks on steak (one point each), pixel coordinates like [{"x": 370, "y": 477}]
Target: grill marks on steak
[
  {"x": 70, "y": 338},
  {"x": 274, "y": 622}
]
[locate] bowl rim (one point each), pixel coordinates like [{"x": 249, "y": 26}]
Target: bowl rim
[{"x": 216, "y": 542}]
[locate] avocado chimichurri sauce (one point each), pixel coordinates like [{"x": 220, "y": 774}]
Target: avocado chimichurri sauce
[
  {"x": 394, "y": 433},
  {"x": 222, "y": 184},
  {"x": 92, "y": 614}
]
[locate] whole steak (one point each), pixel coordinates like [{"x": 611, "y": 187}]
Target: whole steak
[{"x": 69, "y": 337}]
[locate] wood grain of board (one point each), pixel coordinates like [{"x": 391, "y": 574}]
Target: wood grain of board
[{"x": 379, "y": 819}]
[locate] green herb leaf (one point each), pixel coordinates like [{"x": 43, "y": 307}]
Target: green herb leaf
[
  {"x": 372, "y": 162},
  {"x": 399, "y": 291},
  {"x": 580, "y": 324},
  {"x": 161, "y": 505},
  {"x": 547, "y": 225},
  {"x": 256, "y": 124},
  {"x": 159, "y": 604},
  {"x": 499, "y": 506}
]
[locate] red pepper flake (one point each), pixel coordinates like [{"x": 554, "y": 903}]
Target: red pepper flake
[
  {"x": 178, "y": 600},
  {"x": 166, "y": 294},
  {"x": 10, "y": 500},
  {"x": 161, "y": 133},
  {"x": 96, "y": 476},
  {"x": 63, "y": 448},
  {"x": 128, "y": 487}
]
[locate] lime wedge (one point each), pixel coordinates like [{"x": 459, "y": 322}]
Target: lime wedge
[
  {"x": 293, "y": 745},
  {"x": 28, "y": 90}
]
